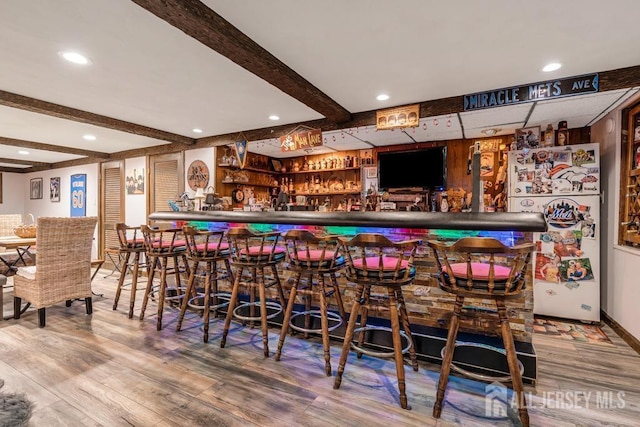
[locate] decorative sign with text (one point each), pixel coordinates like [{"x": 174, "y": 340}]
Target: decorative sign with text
[
  {"x": 241, "y": 152},
  {"x": 300, "y": 140},
  {"x": 78, "y": 195},
  {"x": 398, "y": 117},
  {"x": 532, "y": 92}
]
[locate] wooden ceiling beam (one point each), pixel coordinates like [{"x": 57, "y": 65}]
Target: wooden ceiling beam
[
  {"x": 50, "y": 147},
  {"x": 25, "y": 162},
  {"x": 33, "y": 105},
  {"x": 200, "y": 22}
]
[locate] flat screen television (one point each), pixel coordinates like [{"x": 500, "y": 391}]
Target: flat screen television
[{"x": 426, "y": 169}]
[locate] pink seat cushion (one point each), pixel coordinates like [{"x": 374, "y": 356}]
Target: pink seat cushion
[
  {"x": 165, "y": 244},
  {"x": 266, "y": 250},
  {"x": 212, "y": 247},
  {"x": 135, "y": 243},
  {"x": 388, "y": 263},
  {"x": 479, "y": 270},
  {"x": 315, "y": 255}
]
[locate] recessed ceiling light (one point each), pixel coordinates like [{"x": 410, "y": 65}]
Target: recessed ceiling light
[
  {"x": 551, "y": 67},
  {"x": 24, "y": 152},
  {"x": 75, "y": 57},
  {"x": 382, "y": 97},
  {"x": 274, "y": 117},
  {"x": 196, "y": 130},
  {"x": 89, "y": 137}
]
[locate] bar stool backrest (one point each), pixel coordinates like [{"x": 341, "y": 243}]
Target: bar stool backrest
[
  {"x": 482, "y": 266},
  {"x": 374, "y": 258},
  {"x": 309, "y": 251},
  {"x": 249, "y": 248},
  {"x": 162, "y": 241},
  {"x": 204, "y": 243},
  {"x": 129, "y": 238}
]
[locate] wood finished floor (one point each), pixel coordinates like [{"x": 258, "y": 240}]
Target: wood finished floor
[{"x": 108, "y": 370}]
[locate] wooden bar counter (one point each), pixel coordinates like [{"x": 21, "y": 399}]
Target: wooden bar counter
[{"x": 429, "y": 307}]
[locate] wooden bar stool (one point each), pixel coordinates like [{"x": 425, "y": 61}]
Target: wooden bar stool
[
  {"x": 206, "y": 248},
  {"x": 482, "y": 267},
  {"x": 375, "y": 261},
  {"x": 162, "y": 245},
  {"x": 316, "y": 257},
  {"x": 131, "y": 244},
  {"x": 253, "y": 253}
]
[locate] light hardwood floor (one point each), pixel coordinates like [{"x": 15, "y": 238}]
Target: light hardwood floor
[{"x": 108, "y": 370}]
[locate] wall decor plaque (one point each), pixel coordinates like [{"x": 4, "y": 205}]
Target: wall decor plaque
[
  {"x": 301, "y": 138},
  {"x": 198, "y": 175},
  {"x": 398, "y": 117}
]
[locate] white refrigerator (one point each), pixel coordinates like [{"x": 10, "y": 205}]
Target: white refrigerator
[{"x": 564, "y": 184}]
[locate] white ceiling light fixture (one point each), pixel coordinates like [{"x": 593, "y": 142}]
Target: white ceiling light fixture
[
  {"x": 491, "y": 131},
  {"x": 553, "y": 66},
  {"x": 274, "y": 117},
  {"x": 196, "y": 130},
  {"x": 75, "y": 57},
  {"x": 23, "y": 152},
  {"x": 89, "y": 137},
  {"x": 382, "y": 97}
]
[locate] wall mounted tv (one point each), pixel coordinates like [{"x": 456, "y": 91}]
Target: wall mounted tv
[{"x": 426, "y": 169}]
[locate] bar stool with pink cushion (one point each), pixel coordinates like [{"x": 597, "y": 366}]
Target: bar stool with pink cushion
[
  {"x": 131, "y": 244},
  {"x": 162, "y": 245},
  {"x": 252, "y": 254},
  {"x": 206, "y": 249},
  {"x": 484, "y": 268},
  {"x": 313, "y": 257},
  {"x": 374, "y": 261}
]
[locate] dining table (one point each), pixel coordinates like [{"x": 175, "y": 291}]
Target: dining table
[{"x": 21, "y": 245}]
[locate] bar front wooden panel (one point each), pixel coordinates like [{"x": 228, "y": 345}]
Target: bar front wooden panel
[{"x": 426, "y": 303}]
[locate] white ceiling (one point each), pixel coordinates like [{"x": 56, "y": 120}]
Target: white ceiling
[{"x": 147, "y": 72}]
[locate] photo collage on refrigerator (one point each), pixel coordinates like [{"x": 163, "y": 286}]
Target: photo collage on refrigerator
[{"x": 564, "y": 184}]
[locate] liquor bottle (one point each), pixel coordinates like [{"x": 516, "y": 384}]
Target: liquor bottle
[
  {"x": 290, "y": 185},
  {"x": 317, "y": 184},
  {"x": 444, "y": 202},
  {"x": 549, "y": 136}
]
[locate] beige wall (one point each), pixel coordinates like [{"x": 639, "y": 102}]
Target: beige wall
[{"x": 620, "y": 293}]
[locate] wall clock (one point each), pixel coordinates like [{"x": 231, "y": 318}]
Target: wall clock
[
  {"x": 197, "y": 175},
  {"x": 237, "y": 195}
]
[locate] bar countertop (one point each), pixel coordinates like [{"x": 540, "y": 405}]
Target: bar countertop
[{"x": 489, "y": 221}]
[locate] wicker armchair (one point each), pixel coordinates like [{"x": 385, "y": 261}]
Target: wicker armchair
[{"x": 63, "y": 266}]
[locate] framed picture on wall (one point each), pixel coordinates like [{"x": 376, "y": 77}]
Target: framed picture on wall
[
  {"x": 36, "y": 188},
  {"x": 528, "y": 137},
  {"x": 78, "y": 195},
  {"x": 134, "y": 181},
  {"x": 54, "y": 189}
]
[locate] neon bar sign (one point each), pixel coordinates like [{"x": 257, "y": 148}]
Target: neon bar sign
[{"x": 551, "y": 89}]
